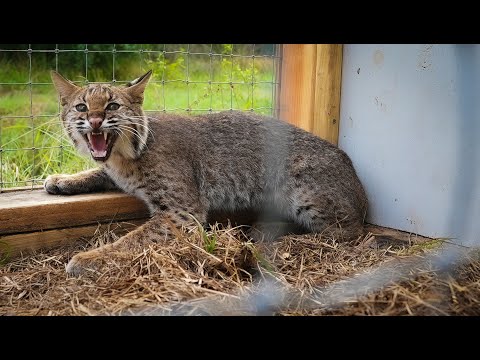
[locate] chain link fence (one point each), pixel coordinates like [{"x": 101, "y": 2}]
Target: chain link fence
[{"x": 191, "y": 78}]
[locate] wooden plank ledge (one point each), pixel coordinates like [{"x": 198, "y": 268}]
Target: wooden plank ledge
[
  {"x": 33, "y": 219},
  {"x": 36, "y": 210},
  {"x": 12, "y": 245}
]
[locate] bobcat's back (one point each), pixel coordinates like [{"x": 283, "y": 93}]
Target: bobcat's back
[{"x": 239, "y": 160}]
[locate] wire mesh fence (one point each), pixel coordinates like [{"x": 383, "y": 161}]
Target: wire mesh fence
[{"x": 189, "y": 78}]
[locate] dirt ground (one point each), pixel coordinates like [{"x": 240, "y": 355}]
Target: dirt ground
[{"x": 218, "y": 272}]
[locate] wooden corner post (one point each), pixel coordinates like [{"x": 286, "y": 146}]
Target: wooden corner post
[{"x": 310, "y": 84}]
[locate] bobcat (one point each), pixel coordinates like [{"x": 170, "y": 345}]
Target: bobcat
[{"x": 185, "y": 167}]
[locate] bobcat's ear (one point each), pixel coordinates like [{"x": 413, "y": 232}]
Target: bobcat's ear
[
  {"x": 65, "y": 88},
  {"x": 136, "y": 87}
]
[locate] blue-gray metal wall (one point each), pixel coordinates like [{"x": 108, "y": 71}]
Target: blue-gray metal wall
[{"x": 410, "y": 121}]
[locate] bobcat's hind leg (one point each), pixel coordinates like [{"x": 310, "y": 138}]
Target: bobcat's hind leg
[
  {"x": 272, "y": 230},
  {"x": 322, "y": 215},
  {"x": 160, "y": 228}
]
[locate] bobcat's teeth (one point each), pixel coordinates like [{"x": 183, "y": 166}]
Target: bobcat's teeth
[
  {"x": 89, "y": 136},
  {"x": 105, "y": 135}
]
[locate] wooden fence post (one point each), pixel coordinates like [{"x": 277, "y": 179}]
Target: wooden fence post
[{"x": 310, "y": 87}]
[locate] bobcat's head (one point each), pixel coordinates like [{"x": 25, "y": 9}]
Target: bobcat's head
[{"x": 102, "y": 119}]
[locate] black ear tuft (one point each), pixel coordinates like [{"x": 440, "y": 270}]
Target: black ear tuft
[
  {"x": 139, "y": 79},
  {"x": 136, "y": 88}
]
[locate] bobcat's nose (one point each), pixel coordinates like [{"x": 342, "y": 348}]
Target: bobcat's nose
[{"x": 95, "y": 122}]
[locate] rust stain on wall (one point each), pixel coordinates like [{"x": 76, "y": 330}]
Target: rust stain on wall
[{"x": 378, "y": 58}]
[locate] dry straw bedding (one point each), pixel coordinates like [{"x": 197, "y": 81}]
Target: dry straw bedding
[{"x": 219, "y": 272}]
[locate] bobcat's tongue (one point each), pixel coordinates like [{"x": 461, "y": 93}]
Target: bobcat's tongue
[{"x": 99, "y": 145}]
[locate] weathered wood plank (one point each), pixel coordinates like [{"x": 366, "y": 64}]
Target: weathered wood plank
[
  {"x": 21, "y": 188},
  {"x": 297, "y": 84},
  {"x": 14, "y": 244},
  {"x": 310, "y": 88},
  {"x": 328, "y": 83},
  {"x": 36, "y": 210}
]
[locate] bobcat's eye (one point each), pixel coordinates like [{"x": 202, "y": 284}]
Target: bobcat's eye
[
  {"x": 112, "y": 106},
  {"x": 81, "y": 107}
]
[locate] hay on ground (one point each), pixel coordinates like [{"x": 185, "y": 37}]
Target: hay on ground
[{"x": 218, "y": 270}]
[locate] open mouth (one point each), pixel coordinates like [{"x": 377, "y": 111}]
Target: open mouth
[{"x": 100, "y": 144}]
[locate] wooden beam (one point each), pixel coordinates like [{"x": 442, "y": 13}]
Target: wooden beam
[
  {"x": 310, "y": 88},
  {"x": 297, "y": 85},
  {"x": 20, "y": 188},
  {"x": 328, "y": 83},
  {"x": 12, "y": 245},
  {"x": 36, "y": 210},
  {"x": 33, "y": 219}
]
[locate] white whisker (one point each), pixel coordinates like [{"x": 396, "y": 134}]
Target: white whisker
[
  {"x": 130, "y": 120},
  {"x": 132, "y": 131}
]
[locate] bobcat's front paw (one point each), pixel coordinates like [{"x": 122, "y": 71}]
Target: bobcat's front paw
[{"x": 57, "y": 184}]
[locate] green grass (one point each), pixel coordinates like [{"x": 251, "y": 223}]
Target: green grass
[
  {"x": 5, "y": 250},
  {"x": 35, "y": 145},
  {"x": 210, "y": 242}
]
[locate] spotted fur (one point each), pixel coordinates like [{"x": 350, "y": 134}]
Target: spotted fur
[{"x": 183, "y": 166}]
